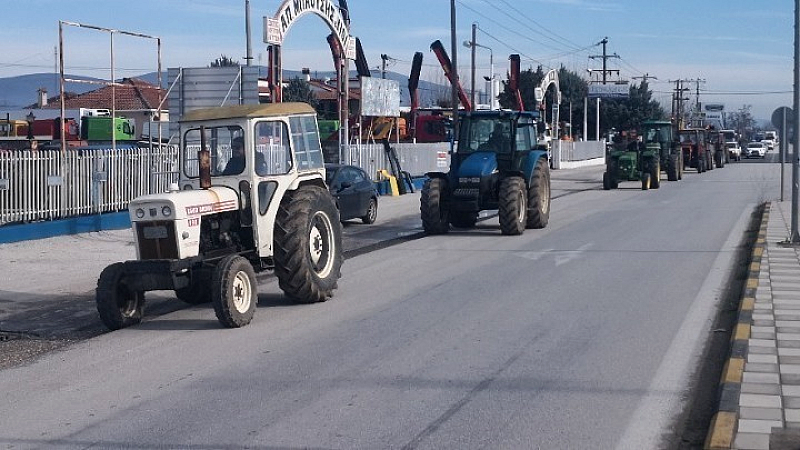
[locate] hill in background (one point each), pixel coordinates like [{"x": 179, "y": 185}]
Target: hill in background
[{"x": 20, "y": 91}]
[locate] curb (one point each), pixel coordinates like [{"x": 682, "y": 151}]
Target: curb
[{"x": 722, "y": 430}]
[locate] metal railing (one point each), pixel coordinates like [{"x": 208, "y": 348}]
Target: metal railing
[
  {"x": 416, "y": 159},
  {"x": 48, "y": 185}
]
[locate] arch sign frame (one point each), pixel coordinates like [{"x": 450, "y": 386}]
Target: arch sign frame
[{"x": 275, "y": 29}]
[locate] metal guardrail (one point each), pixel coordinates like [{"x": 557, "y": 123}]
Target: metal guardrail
[{"x": 48, "y": 185}]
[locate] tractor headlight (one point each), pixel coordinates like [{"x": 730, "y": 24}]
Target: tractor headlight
[
  {"x": 166, "y": 211},
  {"x": 139, "y": 213}
]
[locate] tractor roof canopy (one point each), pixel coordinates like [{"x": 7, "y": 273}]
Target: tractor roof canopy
[{"x": 248, "y": 111}]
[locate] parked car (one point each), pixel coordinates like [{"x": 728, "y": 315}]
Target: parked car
[
  {"x": 756, "y": 150},
  {"x": 769, "y": 143},
  {"x": 355, "y": 193},
  {"x": 734, "y": 151}
]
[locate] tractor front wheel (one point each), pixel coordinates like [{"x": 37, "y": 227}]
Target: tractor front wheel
[
  {"x": 434, "y": 216},
  {"x": 513, "y": 205},
  {"x": 234, "y": 291},
  {"x": 645, "y": 181},
  {"x": 308, "y": 245},
  {"x": 539, "y": 196},
  {"x": 119, "y": 307}
]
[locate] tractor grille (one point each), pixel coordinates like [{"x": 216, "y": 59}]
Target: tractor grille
[
  {"x": 466, "y": 192},
  {"x": 157, "y": 240}
]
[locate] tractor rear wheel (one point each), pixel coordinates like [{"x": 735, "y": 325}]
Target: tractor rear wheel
[
  {"x": 461, "y": 219},
  {"x": 645, "y": 181},
  {"x": 655, "y": 174},
  {"x": 234, "y": 291},
  {"x": 513, "y": 205},
  {"x": 539, "y": 196},
  {"x": 434, "y": 217},
  {"x": 672, "y": 167},
  {"x": 606, "y": 182},
  {"x": 119, "y": 307},
  {"x": 308, "y": 245}
]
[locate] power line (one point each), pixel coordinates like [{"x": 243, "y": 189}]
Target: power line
[{"x": 526, "y": 25}]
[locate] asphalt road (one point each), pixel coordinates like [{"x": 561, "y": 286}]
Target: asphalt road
[{"x": 586, "y": 334}]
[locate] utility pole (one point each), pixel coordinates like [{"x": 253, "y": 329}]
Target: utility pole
[
  {"x": 605, "y": 56},
  {"x": 384, "y": 58},
  {"x": 794, "y": 238},
  {"x": 249, "y": 56},
  {"x": 455, "y": 80},
  {"x": 677, "y": 102},
  {"x": 645, "y": 77},
  {"x": 472, "y": 45}
]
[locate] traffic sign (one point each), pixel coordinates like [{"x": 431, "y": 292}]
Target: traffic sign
[{"x": 777, "y": 117}]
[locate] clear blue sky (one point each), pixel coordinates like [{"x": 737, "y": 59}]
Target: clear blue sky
[{"x": 742, "y": 49}]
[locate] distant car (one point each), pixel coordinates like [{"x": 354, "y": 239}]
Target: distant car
[
  {"x": 734, "y": 151},
  {"x": 769, "y": 142},
  {"x": 756, "y": 150},
  {"x": 355, "y": 193}
]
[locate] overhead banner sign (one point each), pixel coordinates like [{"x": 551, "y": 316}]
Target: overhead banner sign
[
  {"x": 275, "y": 28},
  {"x": 611, "y": 90}
]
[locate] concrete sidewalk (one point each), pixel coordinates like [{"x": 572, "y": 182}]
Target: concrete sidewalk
[{"x": 760, "y": 401}]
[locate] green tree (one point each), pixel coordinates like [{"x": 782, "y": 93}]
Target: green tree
[
  {"x": 629, "y": 113},
  {"x": 299, "y": 91},
  {"x": 224, "y": 61}
]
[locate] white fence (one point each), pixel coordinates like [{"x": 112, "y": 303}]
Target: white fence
[
  {"x": 416, "y": 159},
  {"x": 46, "y": 185}
]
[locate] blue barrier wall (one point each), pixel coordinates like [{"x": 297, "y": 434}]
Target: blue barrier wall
[{"x": 75, "y": 225}]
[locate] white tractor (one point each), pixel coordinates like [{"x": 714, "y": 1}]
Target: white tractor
[{"x": 251, "y": 196}]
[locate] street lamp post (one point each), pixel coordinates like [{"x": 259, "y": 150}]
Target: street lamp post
[{"x": 473, "y": 45}]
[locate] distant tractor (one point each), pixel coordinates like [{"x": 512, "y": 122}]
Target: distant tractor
[
  {"x": 498, "y": 165},
  {"x": 635, "y": 162},
  {"x": 251, "y": 196},
  {"x": 659, "y": 138},
  {"x": 695, "y": 149}
]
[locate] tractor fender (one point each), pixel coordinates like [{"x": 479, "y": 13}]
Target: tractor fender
[{"x": 530, "y": 163}]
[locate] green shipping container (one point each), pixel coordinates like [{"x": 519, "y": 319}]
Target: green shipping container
[{"x": 99, "y": 129}]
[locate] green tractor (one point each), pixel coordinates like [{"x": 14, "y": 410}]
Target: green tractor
[
  {"x": 635, "y": 162},
  {"x": 658, "y": 137}
]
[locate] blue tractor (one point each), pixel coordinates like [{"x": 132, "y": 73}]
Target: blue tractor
[{"x": 498, "y": 164}]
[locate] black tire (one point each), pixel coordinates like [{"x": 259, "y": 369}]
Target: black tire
[
  {"x": 701, "y": 165},
  {"x": 462, "y": 219},
  {"x": 199, "y": 291},
  {"x": 119, "y": 307},
  {"x": 539, "y": 196},
  {"x": 234, "y": 291},
  {"x": 709, "y": 161},
  {"x": 645, "y": 181},
  {"x": 672, "y": 167},
  {"x": 372, "y": 212},
  {"x": 655, "y": 174},
  {"x": 606, "y": 181},
  {"x": 435, "y": 219},
  {"x": 306, "y": 217},
  {"x": 680, "y": 166},
  {"x": 513, "y": 208}
]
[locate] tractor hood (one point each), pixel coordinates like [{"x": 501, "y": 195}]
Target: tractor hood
[
  {"x": 477, "y": 165},
  {"x": 179, "y": 205}
]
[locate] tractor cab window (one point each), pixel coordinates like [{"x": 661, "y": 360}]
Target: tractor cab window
[
  {"x": 305, "y": 138},
  {"x": 526, "y": 134},
  {"x": 272, "y": 148},
  {"x": 657, "y": 135},
  {"x": 226, "y": 146},
  {"x": 485, "y": 134}
]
